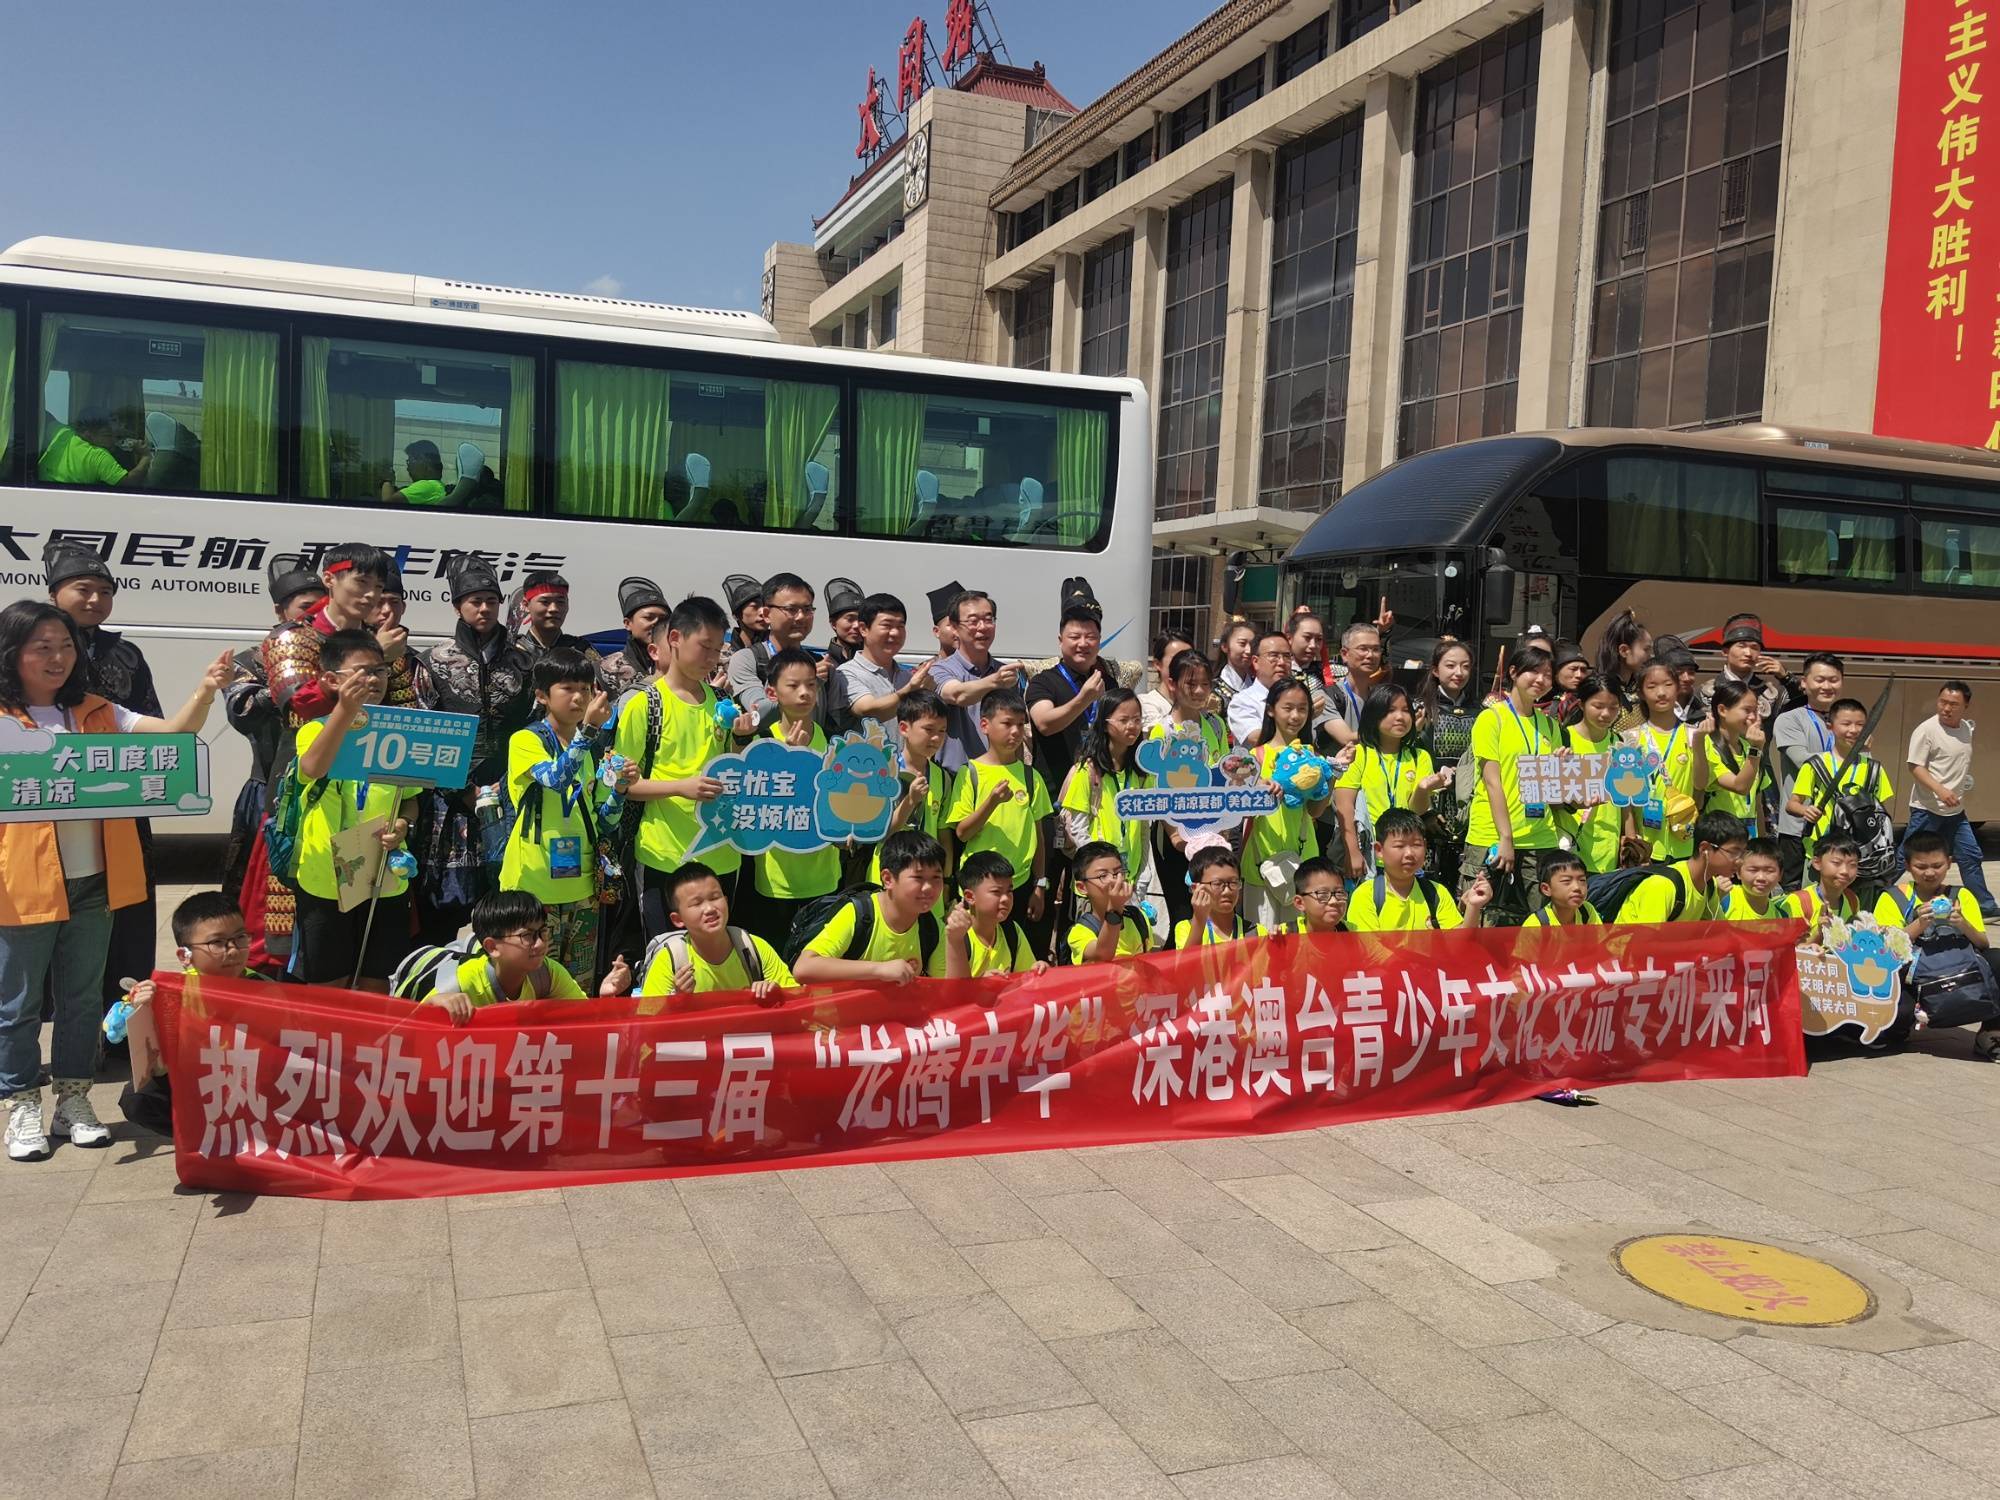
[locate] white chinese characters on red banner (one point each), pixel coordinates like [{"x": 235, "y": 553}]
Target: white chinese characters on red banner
[{"x": 322, "y": 1092}]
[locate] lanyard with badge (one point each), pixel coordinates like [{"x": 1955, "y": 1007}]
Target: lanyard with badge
[
  {"x": 1655, "y": 813},
  {"x": 566, "y": 850},
  {"x": 1076, "y": 688},
  {"x": 1531, "y": 744},
  {"x": 1389, "y": 782}
]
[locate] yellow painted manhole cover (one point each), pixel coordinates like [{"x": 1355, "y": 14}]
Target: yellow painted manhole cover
[{"x": 1743, "y": 1279}]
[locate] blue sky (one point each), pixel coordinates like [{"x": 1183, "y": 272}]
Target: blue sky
[{"x": 649, "y": 149}]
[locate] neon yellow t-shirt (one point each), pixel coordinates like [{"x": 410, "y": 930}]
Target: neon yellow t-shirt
[
  {"x": 690, "y": 737},
  {"x": 479, "y": 984},
  {"x": 1210, "y": 937},
  {"x": 1739, "y": 805},
  {"x": 1394, "y": 913},
  {"x": 1740, "y": 906},
  {"x": 884, "y": 944},
  {"x": 718, "y": 978},
  {"x": 71, "y": 459},
  {"x": 1586, "y": 917},
  {"x": 425, "y": 492},
  {"x": 1502, "y": 734},
  {"x": 1010, "y": 952},
  {"x": 1652, "y": 900},
  {"x": 1214, "y": 735},
  {"x": 1595, "y": 829},
  {"x": 1381, "y": 782},
  {"x": 938, "y": 786},
  {"x": 784, "y": 876},
  {"x": 1889, "y": 914},
  {"x": 1289, "y": 830},
  {"x": 1856, "y": 780},
  {"x": 1676, "y": 751},
  {"x": 1129, "y": 839},
  {"x": 526, "y": 865},
  {"x": 1805, "y": 904},
  {"x": 1134, "y": 938},
  {"x": 335, "y": 812},
  {"x": 1014, "y": 829}
]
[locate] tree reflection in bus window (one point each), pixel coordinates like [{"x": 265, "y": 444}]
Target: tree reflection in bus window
[
  {"x": 427, "y": 426},
  {"x": 1836, "y": 546},
  {"x": 1956, "y": 554},
  {"x": 639, "y": 444},
  {"x": 1673, "y": 520},
  {"x": 959, "y": 469},
  {"x": 127, "y": 402}
]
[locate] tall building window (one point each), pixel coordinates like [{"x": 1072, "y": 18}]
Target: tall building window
[
  {"x": 1359, "y": 17},
  {"x": 1313, "y": 225},
  {"x": 1030, "y": 222},
  {"x": 1187, "y": 122},
  {"x": 1180, "y": 597},
  {"x": 1301, "y": 50},
  {"x": 1240, "y": 89},
  {"x": 888, "y": 312},
  {"x": 1687, "y": 228},
  {"x": 1100, "y": 178},
  {"x": 1469, "y": 240},
  {"x": 1107, "y": 308},
  {"x": 1138, "y": 154},
  {"x": 1034, "y": 318},
  {"x": 1062, "y": 202},
  {"x": 1191, "y": 347}
]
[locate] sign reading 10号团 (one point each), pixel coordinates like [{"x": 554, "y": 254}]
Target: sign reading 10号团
[
  {"x": 62, "y": 778},
  {"x": 407, "y": 747}
]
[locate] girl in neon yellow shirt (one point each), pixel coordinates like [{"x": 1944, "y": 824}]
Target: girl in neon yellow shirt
[{"x": 1388, "y": 771}]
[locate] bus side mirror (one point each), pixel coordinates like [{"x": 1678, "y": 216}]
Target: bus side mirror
[{"x": 1497, "y": 594}]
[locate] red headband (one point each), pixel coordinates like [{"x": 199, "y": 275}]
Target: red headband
[
  {"x": 342, "y": 566},
  {"x": 544, "y": 588}
]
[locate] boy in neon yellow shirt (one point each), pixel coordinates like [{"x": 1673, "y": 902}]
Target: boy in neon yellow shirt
[
  {"x": 1756, "y": 895},
  {"x": 210, "y": 939},
  {"x": 1814, "y": 788},
  {"x": 513, "y": 964},
  {"x": 886, "y": 936},
  {"x": 999, "y": 803},
  {"x": 353, "y": 673},
  {"x": 978, "y": 938},
  {"x": 1565, "y": 894},
  {"x": 1400, "y": 897},
  {"x": 687, "y": 648},
  {"x": 561, "y": 805},
  {"x": 1836, "y": 863},
  {"x": 1112, "y": 927},
  {"x": 1686, "y": 891},
  {"x": 1319, "y": 896},
  {"x": 782, "y": 880},
  {"x": 1215, "y": 885},
  {"x": 705, "y": 954}
]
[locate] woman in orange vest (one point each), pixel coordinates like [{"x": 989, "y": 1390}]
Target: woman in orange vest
[{"x": 60, "y": 881}]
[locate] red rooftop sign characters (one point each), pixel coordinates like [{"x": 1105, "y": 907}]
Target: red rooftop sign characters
[
  {"x": 1938, "y": 378},
  {"x": 871, "y": 118},
  {"x": 324, "y": 1093},
  {"x": 913, "y": 73},
  {"x": 959, "y": 19}
]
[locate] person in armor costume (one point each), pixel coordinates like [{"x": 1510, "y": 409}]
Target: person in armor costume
[
  {"x": 295, "y": 593},
  {"x": 644, "y": 605}
]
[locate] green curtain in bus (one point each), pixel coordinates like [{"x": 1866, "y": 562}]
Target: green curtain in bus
[
  {"x": 315, "y": 416},
  {"x": 1081, "y": 438},
  {"x": 1642, "y": 521},
  {"x": 1811, "y": 545},
  {"x": 797, "y": 419},
  {"x": 239, "y": 411},
  {"x": 6, "y": 384},
  {"x": 892, "y": 432},
  {"x": 612, "y": 441},
  {"x": 518, "y": 476},
  {"x": 1957, "y": 554},
  {"x": 341, "y": 433}
]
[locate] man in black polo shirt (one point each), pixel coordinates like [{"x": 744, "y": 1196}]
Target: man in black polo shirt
[{"x": 1062, "y": 699}]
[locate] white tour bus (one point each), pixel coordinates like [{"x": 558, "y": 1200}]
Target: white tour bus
[{"x": 600, "y": 437}]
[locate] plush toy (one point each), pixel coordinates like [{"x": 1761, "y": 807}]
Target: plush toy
[
  {"x": 115, "y": 1020},
  {"x": 727, "y": 712},
  {"x": 1302, "y": 775},
  {"x": 613, "y": 766},
  {"x": 402, "y": 864}
]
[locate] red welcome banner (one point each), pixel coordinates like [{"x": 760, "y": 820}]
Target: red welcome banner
[
  {"x": 326, "y": 1093},
  {"x": 1938, "y": 376}
]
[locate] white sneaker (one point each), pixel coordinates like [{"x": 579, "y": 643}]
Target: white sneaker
[
  {"x": 26, "y": 1141},
  {"x": 74, "y": 1116}
]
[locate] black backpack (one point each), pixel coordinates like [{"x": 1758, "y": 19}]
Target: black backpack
[
  {"x": 1425, "y": 884},
  {"x": 1608, "y": 891},
  {"x": 814, "y": 915},
  {"x": 1089, "y": 922},
  {"x": 1860, "y": 817}
]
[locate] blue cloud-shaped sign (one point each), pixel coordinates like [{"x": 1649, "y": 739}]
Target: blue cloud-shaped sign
[{"x": 767, "y": 802}]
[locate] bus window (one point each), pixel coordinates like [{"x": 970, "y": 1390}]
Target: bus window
[
  {"x": 165, "y": 406},
  {"x": 1821, "y": 544},
  {"x": 1938, "y": 497},
  {"x": 960, "y": 469},
  {"x": 1959, "y": 555},
  {"x": 397, "y": 424},
  {"x": 1665, "y": 519},
  {"x": 637, "y": 444},
  {"x": 6, "y": 394}
]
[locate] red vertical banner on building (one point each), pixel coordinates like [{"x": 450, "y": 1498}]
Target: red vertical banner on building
[{"x": 1938, "y": 378}]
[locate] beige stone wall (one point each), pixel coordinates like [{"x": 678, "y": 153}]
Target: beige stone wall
[
  {"x": 974, "y": 140},
  {"x": 799, "y": 281},
  {"x": 1833, "y": 218}
]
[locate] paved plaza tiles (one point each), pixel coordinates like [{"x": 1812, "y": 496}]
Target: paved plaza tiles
[{"x": 1407, "y": 1308}]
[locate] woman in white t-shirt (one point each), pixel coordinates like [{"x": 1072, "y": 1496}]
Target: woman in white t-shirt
[
  {"x": 60, "y": 880},
  {"x": 1158, "y": 705}
]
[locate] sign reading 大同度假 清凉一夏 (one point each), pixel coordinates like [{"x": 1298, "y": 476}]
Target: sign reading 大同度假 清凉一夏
[
  {"x": 790, "y": 798},
  {"x": 407, "y": 747},
  {"x": 47, "y": 777}
]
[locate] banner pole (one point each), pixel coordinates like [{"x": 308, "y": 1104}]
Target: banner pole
[{"x": 368, "y": 926}]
